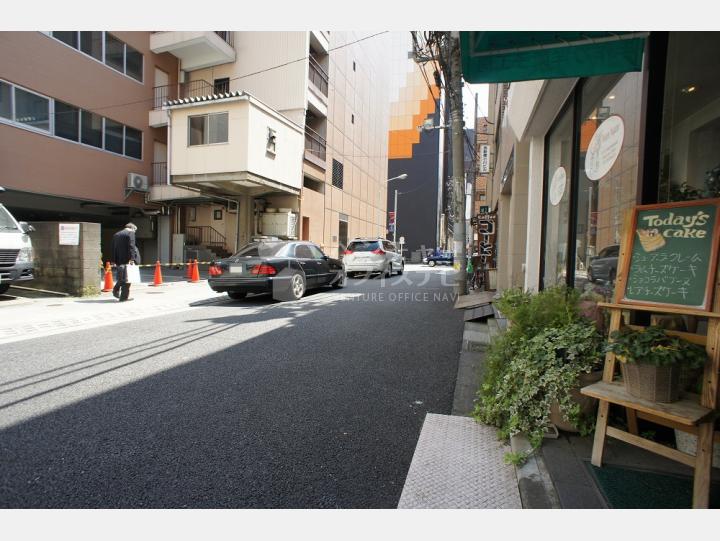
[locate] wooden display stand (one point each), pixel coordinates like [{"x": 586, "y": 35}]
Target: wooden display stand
[{"x": 690, "y": 414}]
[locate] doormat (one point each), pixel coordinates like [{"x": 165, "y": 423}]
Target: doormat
[{"x": 626, "y": 488}]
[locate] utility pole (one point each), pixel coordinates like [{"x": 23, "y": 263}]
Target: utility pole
[
  {"x": 395, "y": 219},
  {"x": 454, "y": 87},
  {"x": 470, "y": 231}
]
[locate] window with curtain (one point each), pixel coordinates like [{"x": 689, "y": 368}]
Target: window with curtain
[{"x": 208, "y": 129}]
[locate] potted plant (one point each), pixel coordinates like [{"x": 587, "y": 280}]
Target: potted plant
[
  {"x": 652, "y": 361},
  {"x": 536, "y": 366}
]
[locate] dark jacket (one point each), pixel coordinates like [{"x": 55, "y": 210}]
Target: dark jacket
[{"x": 123, "y": 248}]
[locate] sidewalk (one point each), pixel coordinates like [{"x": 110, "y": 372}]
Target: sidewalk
[{"x": 24, "y": 318}]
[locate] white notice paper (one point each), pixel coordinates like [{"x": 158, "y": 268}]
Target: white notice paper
[{"x": 69, "y": 234}]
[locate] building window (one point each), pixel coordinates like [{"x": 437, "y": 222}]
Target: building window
[
  {"x": 91, "y": 43},
  {"x": 192, "y": 214},
  {"x": 114, "y": 53},
  {"x": 221, "y": 86},
  {"x": 337, "y": 174},
  {"x": 208, "y": 129},
  {"x": 67, "y": 121},
  {"x": 114, "y": 136},
  {"x": 5, "y": 100},
  {"x": 133, "y": 143},
  {"x": 92, "y": 129},
  {"x": 117, "y": 54},
  {"x": 32, "y": 109},
  {"x": 69, "y": 38},
  {"x": 352, "y": 119},
  {"x": 133, "y": 63},
  {"x": 28, "y": 109},
  {"x": 217, "y": 214},
  {"x": 690, "y": 139}
]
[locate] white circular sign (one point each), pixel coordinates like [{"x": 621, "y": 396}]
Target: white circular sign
[
  {"x": 604, "y": 147},
  {"x": 557, "y": 186}
]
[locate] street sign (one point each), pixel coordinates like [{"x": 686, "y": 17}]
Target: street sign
[
  {"x": 484, "y": 208},
  {"x": 484, "y": 158},
  {"x": 391, "y": 217},
  {"x": 402, "y": 240}
]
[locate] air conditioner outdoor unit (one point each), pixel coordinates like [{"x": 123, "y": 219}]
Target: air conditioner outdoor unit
[{"x": 138, "y": 183}]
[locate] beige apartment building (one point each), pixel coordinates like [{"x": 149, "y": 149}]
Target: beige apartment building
[
  {"x": 274, "y": 133},
  {"x": 204, "y": 139}
]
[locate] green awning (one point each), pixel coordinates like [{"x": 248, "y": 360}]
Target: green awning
[{"x": 503, "y": 57}]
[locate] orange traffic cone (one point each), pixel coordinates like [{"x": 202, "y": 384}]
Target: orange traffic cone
[
  {"x": 108, "y": 285},
  {"x": 157, "y": 281},
  {"x": 195, "y": 272},
  {"x": 188, "y": 270}
]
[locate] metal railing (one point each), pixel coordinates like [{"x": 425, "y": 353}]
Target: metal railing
[
  {"x": 318, "y": 76},
  {"x": 159, "y": 176},
  {"x": 204, "y": 235},
  {"x": 191, "y": 89},
  {"x": 227, "y": 36},
  {"x": 315, "y": 145}
]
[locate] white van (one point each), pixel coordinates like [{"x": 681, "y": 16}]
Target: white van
[{"x": 16, "y": 253}]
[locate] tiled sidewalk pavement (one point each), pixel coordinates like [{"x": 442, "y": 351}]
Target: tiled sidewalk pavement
[
  {"x": 34, "y": 318},
  {"x": 458, "y": 464}
]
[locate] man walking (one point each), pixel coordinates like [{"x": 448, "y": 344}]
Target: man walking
[{"x": 124, "y": 252}]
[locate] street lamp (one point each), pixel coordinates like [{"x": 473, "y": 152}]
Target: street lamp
[{"x": 399, "y": 177}]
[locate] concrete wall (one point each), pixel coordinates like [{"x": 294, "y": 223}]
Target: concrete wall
[{"x": 68, "y": 269}]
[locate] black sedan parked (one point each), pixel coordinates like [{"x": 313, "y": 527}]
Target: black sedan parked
[{"x": 287, "y": 269}]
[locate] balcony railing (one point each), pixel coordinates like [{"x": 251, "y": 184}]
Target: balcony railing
[
  {"x": 318, "y": 76},
  {"x": 315, "y": 145},
  {"x": 204, "y": 235},
  {"x": 159, "y": 177},
  {"x": 191, "y": 89},
  {"x": 228, "y": 37}
]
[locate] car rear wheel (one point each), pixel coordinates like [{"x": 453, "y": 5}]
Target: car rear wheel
[
  {"x": 237, "y": 295},
  {"x": 431, "y": 263},
  {"x": 295, "y": 289},
  {"x": 402, "y": 268}
]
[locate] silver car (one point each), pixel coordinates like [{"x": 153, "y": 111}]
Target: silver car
[{"x": 366, "y": 255}]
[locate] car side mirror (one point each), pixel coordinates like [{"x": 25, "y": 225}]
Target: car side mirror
[
  {"x": 26, "y": 227},
  {"x": 325, "y": 257}
]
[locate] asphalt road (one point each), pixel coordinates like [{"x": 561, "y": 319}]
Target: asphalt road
[{"x": 247, "y": 404}]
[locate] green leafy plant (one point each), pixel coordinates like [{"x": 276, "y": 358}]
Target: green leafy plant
[
  {"x": 654, "y": 346},
  {"x": 516, "y": 458},
  {"x": 536, "y": 362}
]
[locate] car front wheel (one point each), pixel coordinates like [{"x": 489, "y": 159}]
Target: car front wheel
[
  {"x": 402, "y": 269},
  {"x": 341, "y": 282},
  {"x": 431, "y": 263}
]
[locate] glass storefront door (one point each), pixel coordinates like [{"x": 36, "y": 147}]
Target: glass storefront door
[{"x": 557, "y": 198}]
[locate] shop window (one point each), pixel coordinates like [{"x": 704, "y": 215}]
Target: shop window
[
  {"x": 607, "y": 172},
  {"x": 557, "y": 201},
  {"x": 690, "y": 141}
]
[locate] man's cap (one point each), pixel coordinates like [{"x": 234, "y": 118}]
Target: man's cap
[{"x": 131, "y": 225}]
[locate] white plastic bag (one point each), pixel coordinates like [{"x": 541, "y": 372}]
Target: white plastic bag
[{"x": 133, "y": 274}]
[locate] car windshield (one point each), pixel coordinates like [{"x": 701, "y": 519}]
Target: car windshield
[
  {"x": 261, "y": 249},
  {"x": 6, "y": 221},
  {"x": 363, "y": 246}
]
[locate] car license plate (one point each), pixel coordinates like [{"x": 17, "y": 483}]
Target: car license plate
[{"x": 236, "y": 268}]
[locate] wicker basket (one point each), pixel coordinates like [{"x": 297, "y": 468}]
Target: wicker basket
[{"x": 651, "y": 382}]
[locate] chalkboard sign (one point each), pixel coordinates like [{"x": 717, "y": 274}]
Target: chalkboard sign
[{"x": 672, "y": 254}]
